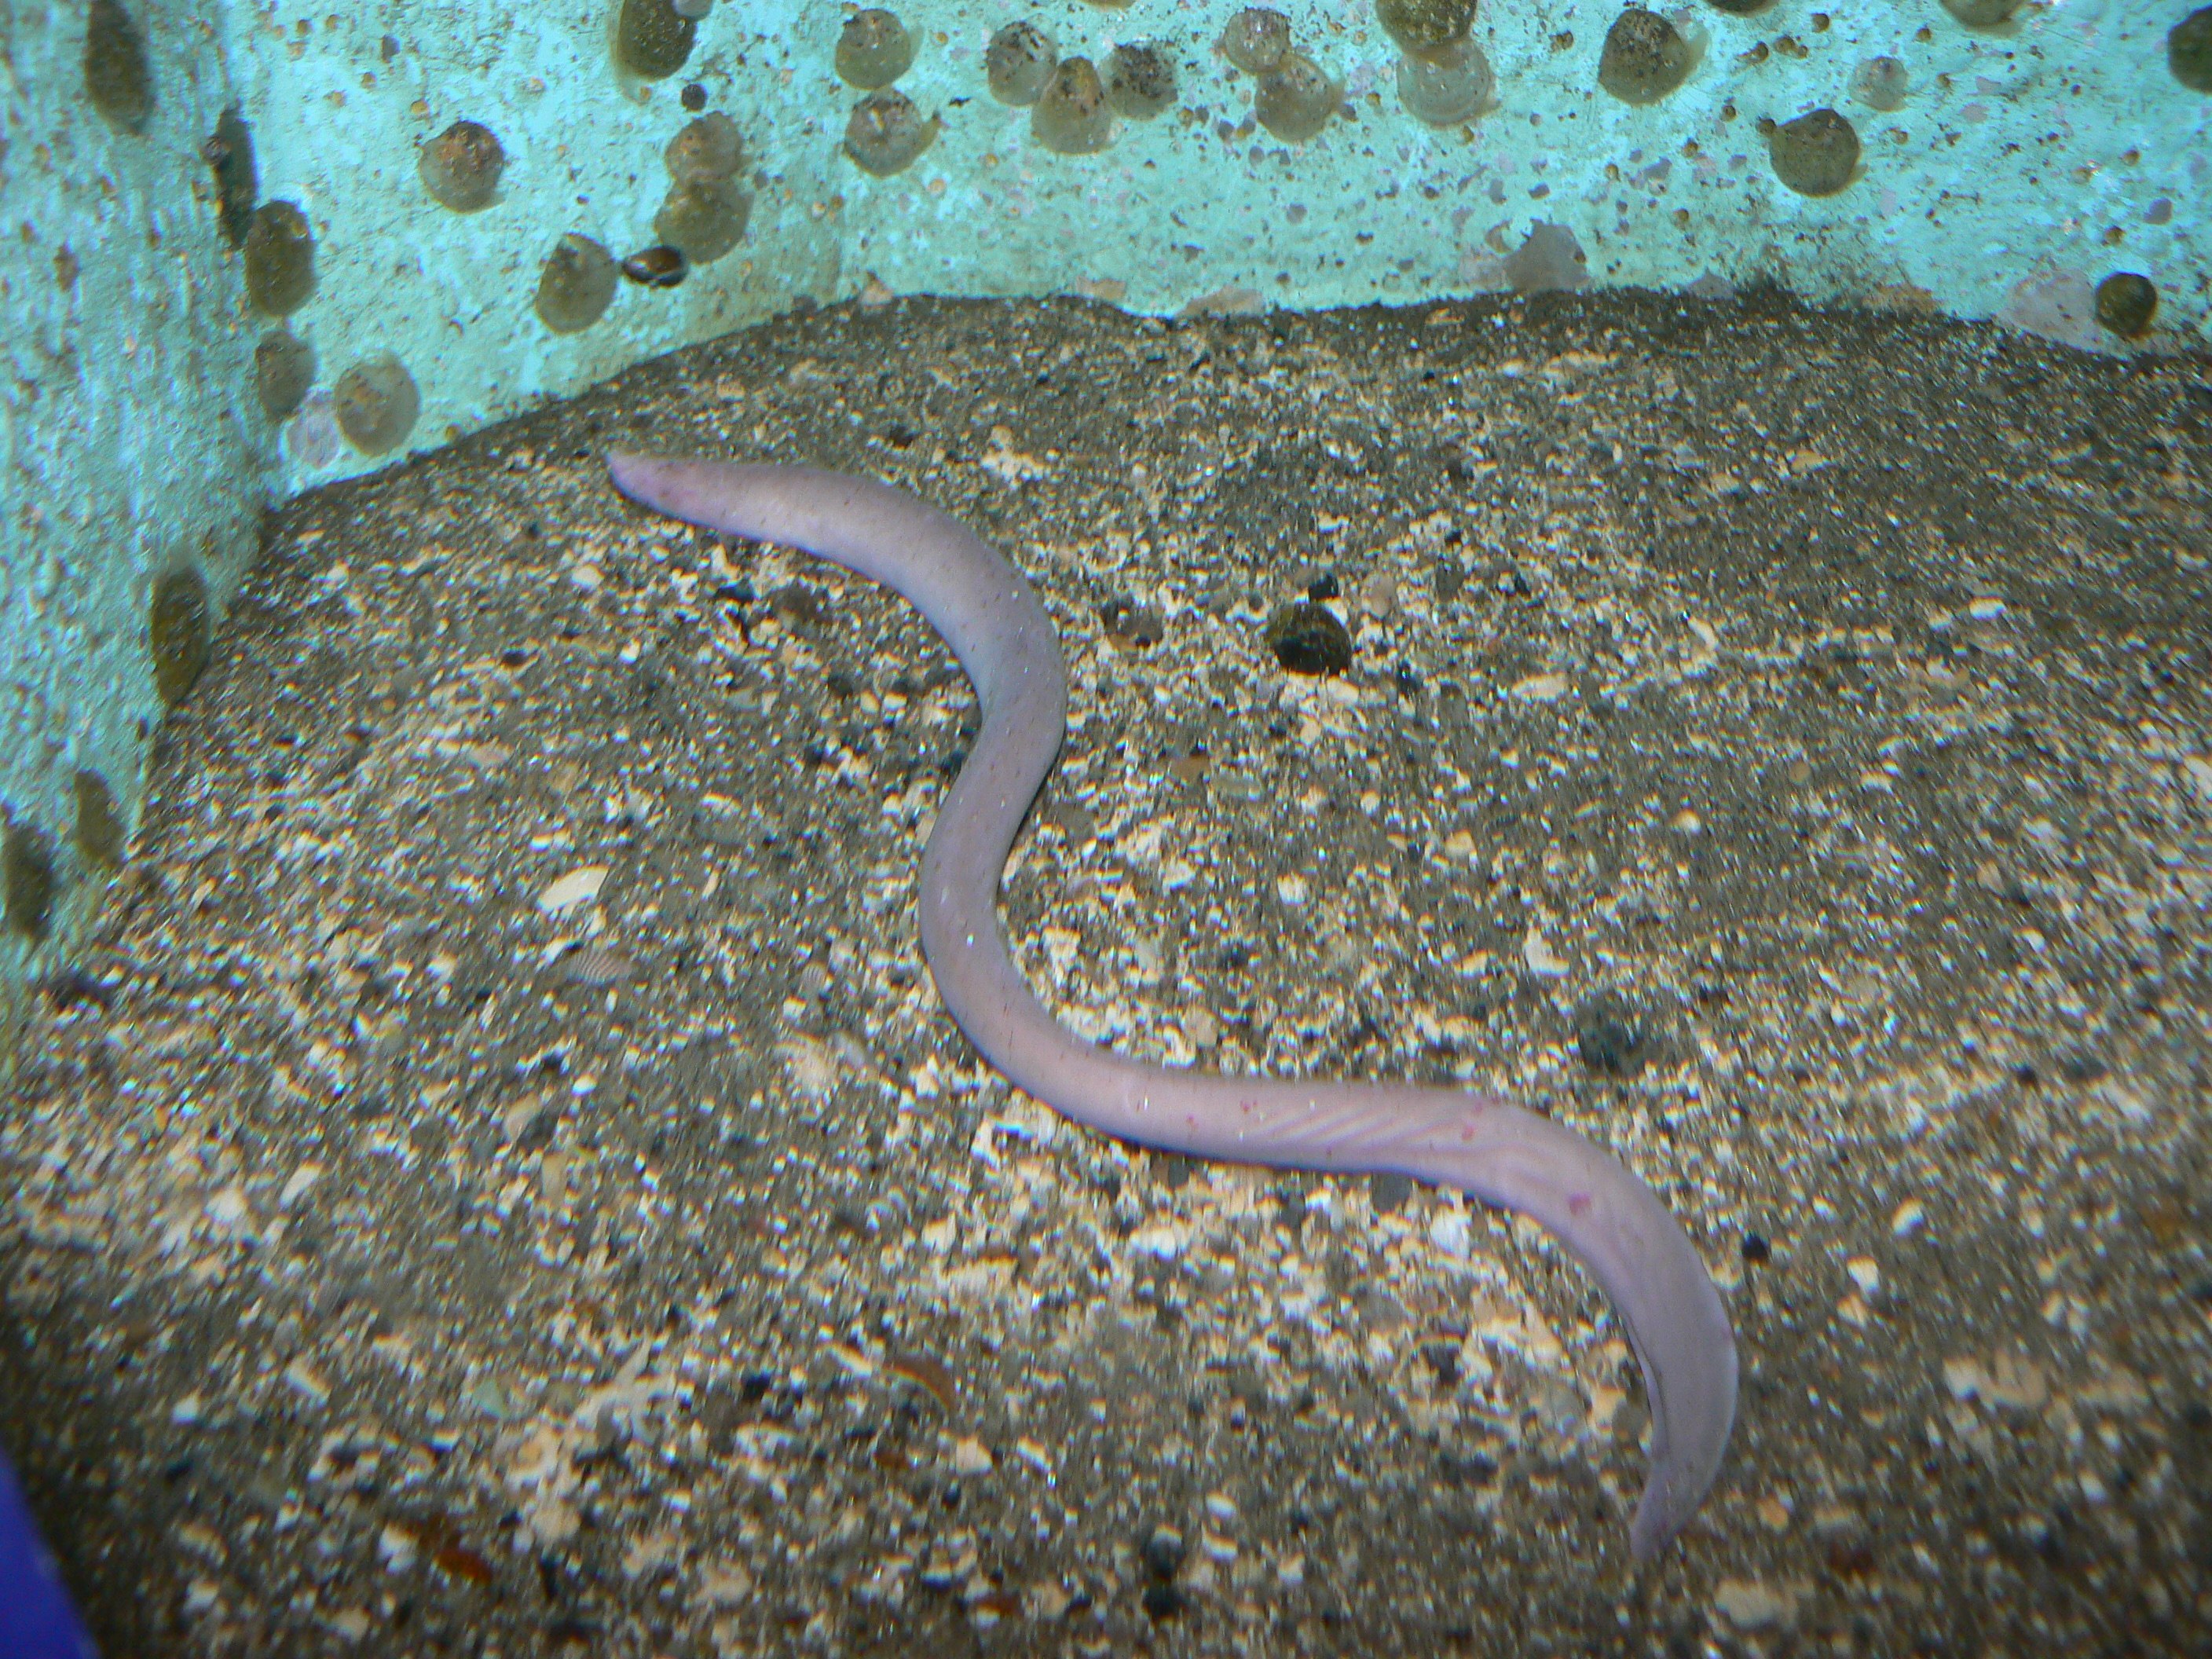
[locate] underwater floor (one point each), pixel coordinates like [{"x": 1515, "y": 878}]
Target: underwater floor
[{"x": 507, "y": 1186}]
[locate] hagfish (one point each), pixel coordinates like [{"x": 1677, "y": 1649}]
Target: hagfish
[{"x": 1500, "y": 1153}]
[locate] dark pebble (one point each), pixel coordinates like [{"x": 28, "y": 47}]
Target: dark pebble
[
  {"x": 2126, "y": 304},
  {"x": 1129, "y": 623},
  {"x": 2079, "y": 1066},
  {"x": 938, "y": 1576},
  {"x": 1468, "y": 1470},
  {"x": 656, "y": 267},
  {"x": 1307, "y": 639},
  {"x": 1609, "y": 1038}
]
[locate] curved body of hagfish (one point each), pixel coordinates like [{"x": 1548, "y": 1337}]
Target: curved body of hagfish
[{"x": 990, "y": 616}]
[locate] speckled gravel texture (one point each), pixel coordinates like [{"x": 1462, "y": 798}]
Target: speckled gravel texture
[{"x": 503, "y": 1183}]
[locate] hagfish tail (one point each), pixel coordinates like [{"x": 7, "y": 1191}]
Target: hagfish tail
[{"x": 1498, "y": 1152}]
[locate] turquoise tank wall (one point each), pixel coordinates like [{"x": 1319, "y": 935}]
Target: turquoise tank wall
[{"x": 247, "y": 249}]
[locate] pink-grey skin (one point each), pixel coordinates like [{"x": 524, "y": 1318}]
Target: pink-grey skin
[{"x": 990, "y": 616}]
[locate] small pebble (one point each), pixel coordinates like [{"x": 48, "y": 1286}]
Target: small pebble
[
  {"x": 596, "y": 967},
  {"x": 1130, "y": 625},
  {"x": 1539, "y": 687},
  {"x": 580, "y": 886},
  {"x": 1748, "y": 1604},
  {"x": 660, "y": 266},
  {"x": 970, "y": 1456},
  {"x": 1387, "y": 1192},
  {"x": 395, "y": 1547},
  {"x": 2127, "y": 303},
  {"x": 1307, "y": 638}
]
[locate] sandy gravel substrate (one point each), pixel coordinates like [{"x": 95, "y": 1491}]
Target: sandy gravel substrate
[{"x": 503, "y": 1183}]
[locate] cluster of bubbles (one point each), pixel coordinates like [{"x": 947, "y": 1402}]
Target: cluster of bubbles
[
  {"x": 1443, "y": 80},
  {"x": 707, "y": 206},
  {"x": 886, "y": 133},
  {"x": 373, "y": 405},
  {"x": 1072, "y": 104},
  {"x": 1292, "y": 96}
]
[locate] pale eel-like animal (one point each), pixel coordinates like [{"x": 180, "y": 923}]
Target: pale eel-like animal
[{"x": 1499, "y": 1153}]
